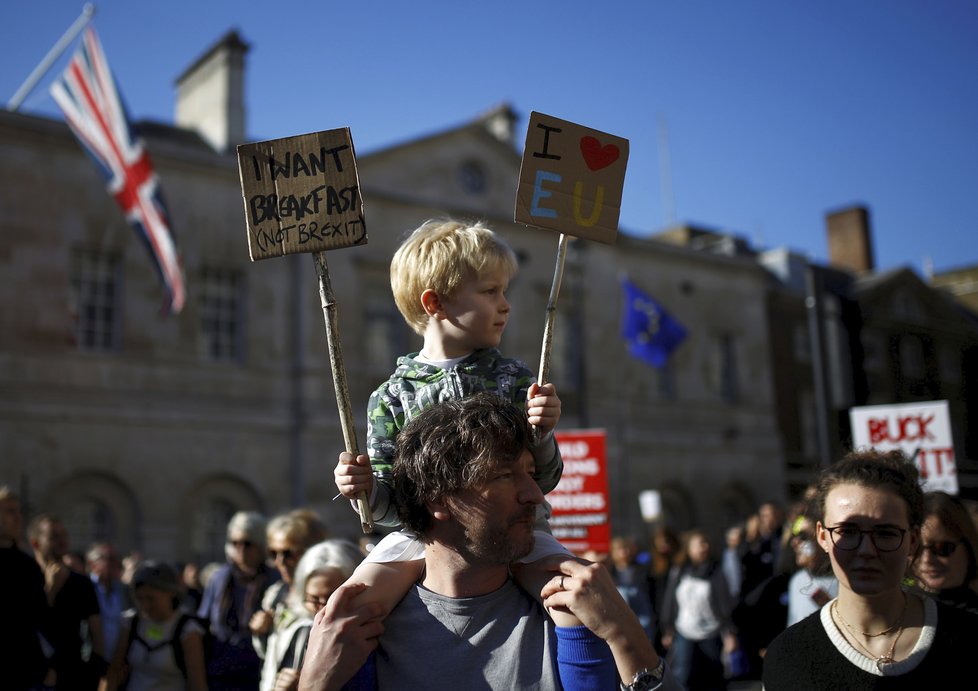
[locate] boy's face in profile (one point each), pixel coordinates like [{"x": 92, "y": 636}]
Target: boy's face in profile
[{"x": 477, "y": 313}]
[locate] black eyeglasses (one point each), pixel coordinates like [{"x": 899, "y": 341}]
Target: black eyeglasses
[
  {"x": 945, "y": 548},
  {"x": 242, "y": 543},
  {"x": 286, "y": 554},
  {"x": 885, "y": 538}
]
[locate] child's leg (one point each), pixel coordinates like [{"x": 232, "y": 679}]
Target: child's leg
[
  {"x": 387, "y": 582},
  {"x": 389, "y": 571},
  {"x": 535, "y": 569}
]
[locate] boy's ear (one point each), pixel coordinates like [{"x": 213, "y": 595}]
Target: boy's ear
[{"x": 432, "y": 304}]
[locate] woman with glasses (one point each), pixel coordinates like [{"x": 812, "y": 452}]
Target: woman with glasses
[
  {"x": 323, "y": 568},
  {"x": 232, "y": 594},
  {"x": 289, "y": 535},
  {"x": 875, "y": 634},
  {"x": 947, "y": 566}
]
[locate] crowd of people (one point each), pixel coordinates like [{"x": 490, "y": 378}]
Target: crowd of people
[
  {"x": 141, "y": 623},
  {"x": 715, "y": 615},
  {"x": 863, "y": 579}
]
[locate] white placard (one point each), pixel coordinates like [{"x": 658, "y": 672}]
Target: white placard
[
  {"x": 650, "y": 503},
  {"x": 921, "y": 430}
]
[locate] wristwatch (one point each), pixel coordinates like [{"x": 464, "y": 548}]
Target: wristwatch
[{"x": 646, "y": 679}]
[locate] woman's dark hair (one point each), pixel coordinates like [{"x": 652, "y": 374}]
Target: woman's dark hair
[{"x": 890, "y": 470}]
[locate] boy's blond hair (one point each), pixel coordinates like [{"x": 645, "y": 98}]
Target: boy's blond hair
[{"x": 440, "y": 255}]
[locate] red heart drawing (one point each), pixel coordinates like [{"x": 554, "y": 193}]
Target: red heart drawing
[{"x": 597, "y": 156}]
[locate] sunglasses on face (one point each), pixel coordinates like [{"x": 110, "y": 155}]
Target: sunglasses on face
[
  {"x": 242, "y": 543},
  {"x": 945, "y": 548},
  {"x": 286, "y": 554}
]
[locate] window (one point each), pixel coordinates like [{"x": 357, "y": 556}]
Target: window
[
  {"x": 723, "y": 368},
  {"x": 912, "y": 364},
  {"x": 949, "y": 362},
  {"x": 221, "y": 314},
  {"x": 90, "y": 520},
  {"x": 472, "y": 177},
  {"x": 96, "y": 281},
  {"x": 667, "y": 381},
  {"x": 385, "y": 329},
  {"x": 209, "y": 529}
]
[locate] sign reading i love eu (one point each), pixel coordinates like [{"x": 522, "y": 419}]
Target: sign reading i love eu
[{"x": 571, "y": 179}]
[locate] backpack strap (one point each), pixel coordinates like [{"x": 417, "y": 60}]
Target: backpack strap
[{"x": 178, "y": 644}]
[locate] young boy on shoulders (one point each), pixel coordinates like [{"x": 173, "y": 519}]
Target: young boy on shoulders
[{"x": 449, "y": 281}]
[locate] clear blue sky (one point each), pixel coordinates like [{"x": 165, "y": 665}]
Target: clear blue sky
[{"x": 777, "y": 111}]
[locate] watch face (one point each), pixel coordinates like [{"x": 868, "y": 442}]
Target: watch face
[{"x": 644, "y": 681}]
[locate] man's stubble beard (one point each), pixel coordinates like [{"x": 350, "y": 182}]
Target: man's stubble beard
[{"x": 495, "y": 544}]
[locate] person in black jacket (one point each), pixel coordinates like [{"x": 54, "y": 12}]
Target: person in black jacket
[{"x": 875, "y": 634}]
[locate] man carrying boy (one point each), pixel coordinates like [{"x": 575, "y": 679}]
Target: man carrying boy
[
  {"x": 449, "y": 282},
  {"x": 463, "y": 479}
]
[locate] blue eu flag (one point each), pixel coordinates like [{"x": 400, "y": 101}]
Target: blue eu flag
[{"x": 650, "y": 332}]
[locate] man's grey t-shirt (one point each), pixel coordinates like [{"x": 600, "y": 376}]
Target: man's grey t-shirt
[{"x": 502, "y": 640}]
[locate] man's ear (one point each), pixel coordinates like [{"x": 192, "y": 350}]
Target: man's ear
[
  {"x": 433, "y": 304},
  {"x": 440, "y": 511}
]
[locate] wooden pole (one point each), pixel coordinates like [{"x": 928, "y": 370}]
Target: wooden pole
[
  {"x": 543, "y": 374},
  {"x": 339, "y": 378}
]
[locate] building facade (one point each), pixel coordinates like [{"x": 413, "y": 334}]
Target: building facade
[{"x": 150, "y": 431}]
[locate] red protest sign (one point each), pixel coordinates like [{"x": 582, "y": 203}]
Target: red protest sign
[{"x": 580, "y": 501}]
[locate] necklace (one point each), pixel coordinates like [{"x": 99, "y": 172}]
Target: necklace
[
  {"x": 886, "y": 658},
  {"x": 879, "y": 633}
]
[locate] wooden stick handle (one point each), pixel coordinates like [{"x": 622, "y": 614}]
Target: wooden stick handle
[
  {"x": 339, "y": 378},
  {"x": 543, "y": 374}
]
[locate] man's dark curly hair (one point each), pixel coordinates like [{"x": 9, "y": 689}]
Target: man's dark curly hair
[{"x": 453, "y": 446}]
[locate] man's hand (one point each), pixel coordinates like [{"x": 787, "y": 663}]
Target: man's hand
[
  {"x": 286, "y": 680},
  {"x": 260, "y": 622},
  {"x": 340, "y": 640},
  {"x": 353, "y": 475},
  {"x": 543, "y": 407},
  {"x": 589, "y": 592}
]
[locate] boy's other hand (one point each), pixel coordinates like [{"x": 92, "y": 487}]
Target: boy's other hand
[
  {"x": 543, "y": 407},
  {"x": 353, "y": 475}
]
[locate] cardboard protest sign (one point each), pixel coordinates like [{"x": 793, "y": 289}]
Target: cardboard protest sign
[
  {"x": 921, "y": 430},
  {"x": 301, "y": 194},
  {"x": 571, "y": 179},
  {"x": 580, "y": 518}
]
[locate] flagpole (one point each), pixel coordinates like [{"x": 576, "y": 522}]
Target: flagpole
[{"x": 86, "y": 16}]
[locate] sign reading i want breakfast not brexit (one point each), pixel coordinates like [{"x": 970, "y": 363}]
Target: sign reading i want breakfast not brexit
[
  {"x": 571, "y": 179},
  {"x": 301, "y": 194}
]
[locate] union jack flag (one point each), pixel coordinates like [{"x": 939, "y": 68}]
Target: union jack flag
[{"x": 94, "y": 110}]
